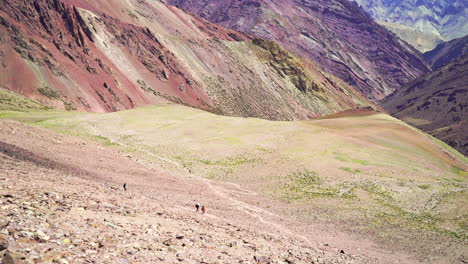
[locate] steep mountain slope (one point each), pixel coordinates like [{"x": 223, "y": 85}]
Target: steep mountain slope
[
  {"x": 111, "y": 55},
  {"x": 422, "y": 23},
  {"x": 437, "y": 103},
  {"x": 336, "y": 34},
  {"x": 446, "y": 52},
  {"x": 52, "y": 54}
]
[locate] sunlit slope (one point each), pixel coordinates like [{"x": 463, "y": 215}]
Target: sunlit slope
[
  {"x": 371, "y": 173},
  {"x": 378, "y": 139}
]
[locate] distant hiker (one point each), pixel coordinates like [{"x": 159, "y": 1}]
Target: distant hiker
[
  {"x": 197, "y": 206},
  {"x": 203, "y": 209},
  {"x": 125, "y": 186}
]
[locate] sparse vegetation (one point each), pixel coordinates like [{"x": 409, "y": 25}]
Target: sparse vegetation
[
  {"x": 15, "y": 102},
  {"x": 307, "y": 184},
  {"x": 345, "y": 157},
  {"x": 49, "y": 92},
  {"x": 105, "y": 141},
  {"x": 230, "y": 161},
  {"x": 69, "y": 106},
  {"x": 145, "y": 86},
  {"x": 390, "y": 195},
  {"x": 353, "y": 171},
  {"x": 377, "y": 190}
]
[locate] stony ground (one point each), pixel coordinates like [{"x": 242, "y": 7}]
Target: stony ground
[{"x": 62, "y": 201}]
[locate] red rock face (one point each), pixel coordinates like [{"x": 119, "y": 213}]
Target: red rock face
[
  {"x": 51, "y": 56},
  {"x": 112, "y": 55},
  {"x": 336, "y": 34}
]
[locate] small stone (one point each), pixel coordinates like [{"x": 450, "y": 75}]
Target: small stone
[
  {"x": 167, "y": 242},
  {"x": 342, "y": 252},
  {"x": 261, "y": 259},
  {"x": 3, "y": 243},
  {"x": 180, "y": 236},
  {"x": 182, "y": 87},
  {"x": 24, "y": 233},
  {"x": 137, "y": 246},
  {"x": 4, "y": 224},
  {"x": 66, "y": 241},
  {"x": 171, "y": 249},
  {"x": 94, "y": 245},
  {"x": 165, "y": 74},
  {"x": 232, "y": 244},
  {"x": 41, "y": 236},
  {"x": 180, "y": 257}
]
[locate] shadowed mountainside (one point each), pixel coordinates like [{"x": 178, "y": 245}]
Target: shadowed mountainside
[
  {"x": 446, "y": 52},
  {"x": 336, "y": 34},
  {"x": 436, "y": 103}
]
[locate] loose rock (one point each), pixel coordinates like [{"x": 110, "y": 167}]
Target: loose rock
[
  {"x": 41, "y": 236},
  {"x": 11, "y": 257},
  {"x": 3, "y": 243},
  {"x": 262, "y": 259}
]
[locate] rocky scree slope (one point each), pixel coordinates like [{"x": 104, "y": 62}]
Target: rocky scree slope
[
  {"x": 423, "y": 23},
  {"x": 106, "y": 56},
  {"x": 446, "y": 52},
  {"x": 437, "y": 103},
  {"x": 336, "y": 34}
]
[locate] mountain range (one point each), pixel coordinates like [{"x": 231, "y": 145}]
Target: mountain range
[
  {"x": 336, "y": 34},
  {"x": 98, "y": 57},
  {"x": 267, "y": 59},
  {"x": 228, "y": 131},
  {"x": 422, "y": 23}
]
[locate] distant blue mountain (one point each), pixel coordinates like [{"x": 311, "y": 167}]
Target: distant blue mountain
[{"x": 422, "y": 23}]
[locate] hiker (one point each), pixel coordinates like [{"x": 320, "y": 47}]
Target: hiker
[
  {"x": 197, "y": 206},
  {"x": 203, "y": 209},
  {"x": 125, "y": 186}
]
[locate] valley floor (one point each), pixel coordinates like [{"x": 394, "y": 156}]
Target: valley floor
[{"x": 62, "y": 198}]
